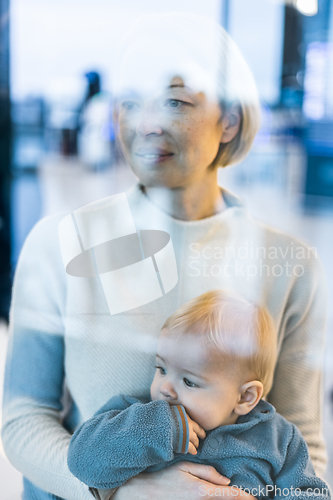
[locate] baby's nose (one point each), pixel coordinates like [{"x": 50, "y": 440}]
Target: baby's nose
[{"x": 168, "y": 391}]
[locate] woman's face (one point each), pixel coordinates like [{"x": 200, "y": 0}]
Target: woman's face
[{"x": 170, "y": 134}]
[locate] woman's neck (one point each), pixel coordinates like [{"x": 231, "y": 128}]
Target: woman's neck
[{"x": 194, "y": 202}]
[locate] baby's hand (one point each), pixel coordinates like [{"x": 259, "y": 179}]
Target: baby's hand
[{"x": 196, "y": 432}]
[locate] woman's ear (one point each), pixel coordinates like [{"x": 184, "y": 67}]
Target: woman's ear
[
  {"x": 230, "y": 124},
  {"x": 250, "y": 395}
]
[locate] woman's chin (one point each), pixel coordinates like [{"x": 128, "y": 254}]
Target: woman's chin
[{"x": 157, "y": 176}]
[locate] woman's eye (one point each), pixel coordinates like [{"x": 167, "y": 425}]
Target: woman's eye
[
  {"x": 161, "y": 370},
  {"x": 129, "y": 105},
  {"x": 188, "y": 383},
  {"x": 174, "y": 103}
]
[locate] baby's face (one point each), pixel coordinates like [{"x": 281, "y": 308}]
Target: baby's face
[{"x": 191, "y": 374}]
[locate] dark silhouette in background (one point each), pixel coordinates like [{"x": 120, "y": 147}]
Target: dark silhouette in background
[
  {"x": 69, "y": 135},
  {"x": 93, "y": 88},
  {"x": 5, "y": 158}
]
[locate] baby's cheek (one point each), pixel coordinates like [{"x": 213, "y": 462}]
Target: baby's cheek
[
  {"x": 153, "y": 390},
  {"x": 202, "y": 413},
  {"x": 209, "y": 416}
]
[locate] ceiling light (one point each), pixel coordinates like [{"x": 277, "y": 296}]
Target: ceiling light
[{"x": 307, "y": 7}]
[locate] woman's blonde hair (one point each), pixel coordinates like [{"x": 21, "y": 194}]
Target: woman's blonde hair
[
  {"x": 242, "y": 331},
  {"x": 207, "y": 49}
]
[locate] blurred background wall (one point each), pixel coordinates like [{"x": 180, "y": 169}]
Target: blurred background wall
[{"x": 57, "y": 140}]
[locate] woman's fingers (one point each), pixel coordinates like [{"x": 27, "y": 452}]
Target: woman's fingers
[
  {"x": 182, "y": 481},
  {"x": 206, "y": 472}
]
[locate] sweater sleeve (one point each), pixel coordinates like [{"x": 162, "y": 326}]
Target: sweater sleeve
[
  {"x": 297, "y": 388},
  {"x": 297, "y": 478},
  {"x": 117, "y": 444},
  {"x": 34, "y": 440}
]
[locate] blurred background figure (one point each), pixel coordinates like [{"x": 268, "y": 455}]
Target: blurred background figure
[
  {"x": 57, "y": 140},
  {"x": 95, "y": 132}
]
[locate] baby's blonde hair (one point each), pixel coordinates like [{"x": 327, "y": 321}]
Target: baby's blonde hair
[{"x": 242, "y": 331}]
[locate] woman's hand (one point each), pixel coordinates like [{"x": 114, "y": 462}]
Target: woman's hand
[{"x": 182, "y": 481}]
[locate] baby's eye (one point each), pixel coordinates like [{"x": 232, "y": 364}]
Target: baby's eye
[
  {"x": 161, "y": 370},
  {"x": 188, "y": 383}
]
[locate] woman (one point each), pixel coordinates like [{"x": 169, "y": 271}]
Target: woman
[{"x": 186, "y": 105}]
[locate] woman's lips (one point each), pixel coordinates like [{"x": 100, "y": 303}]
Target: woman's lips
[{"x": 153, "y": 155}]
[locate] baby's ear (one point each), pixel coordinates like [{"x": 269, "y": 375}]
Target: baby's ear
[{"x": 250, "y": 395}]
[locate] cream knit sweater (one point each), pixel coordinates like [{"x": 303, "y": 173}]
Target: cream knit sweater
[{"x": 61, "y": 330}]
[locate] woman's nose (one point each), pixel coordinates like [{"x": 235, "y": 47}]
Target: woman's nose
[
  {"x": 149, "y": 122},
  {"x": 168, "y": 391}
]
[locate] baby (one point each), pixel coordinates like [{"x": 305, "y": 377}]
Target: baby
[{"x": 214, "y": 364}]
